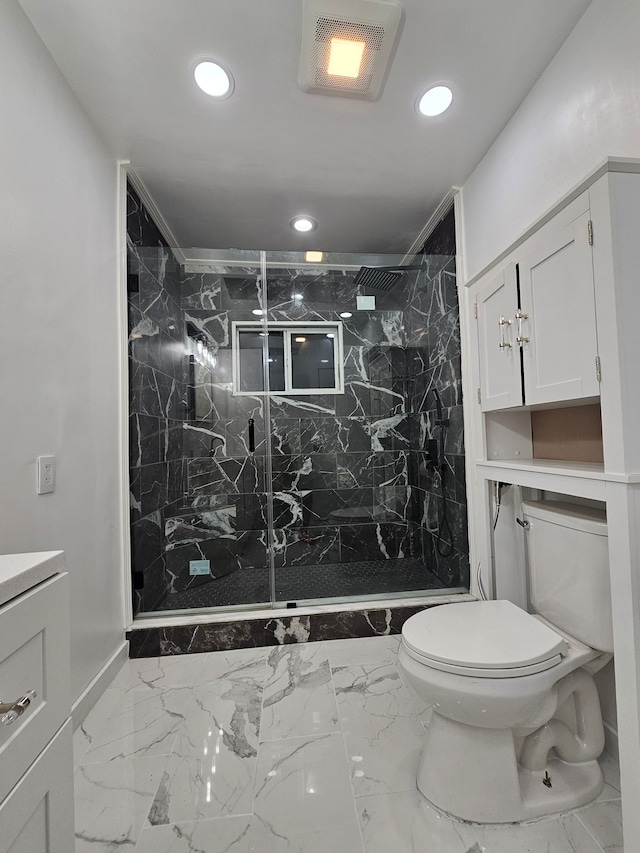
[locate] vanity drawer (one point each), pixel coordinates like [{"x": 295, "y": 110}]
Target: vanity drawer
[{"x": 34, "y": 655}]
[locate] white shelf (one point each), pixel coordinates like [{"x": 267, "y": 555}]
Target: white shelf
[{"x": 585, "y": 479}]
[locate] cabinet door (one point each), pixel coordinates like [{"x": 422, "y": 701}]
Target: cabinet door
[
  {"x": 499, "y": 356},
  {"x": 557, "y": 294},
  {"x": 37, "y": 816}
]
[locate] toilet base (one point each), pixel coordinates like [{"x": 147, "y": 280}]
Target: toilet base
[{"x": 473, "y": 774}]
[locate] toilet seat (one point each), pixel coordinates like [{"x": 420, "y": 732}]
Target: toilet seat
[{"x": 486, "y": 639}]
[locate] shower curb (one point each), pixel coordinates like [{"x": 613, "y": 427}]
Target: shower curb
[{"x": 274, "y": 631}]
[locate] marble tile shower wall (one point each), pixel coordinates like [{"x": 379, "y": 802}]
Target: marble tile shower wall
[
  {"x": 340, "y": 462},
  {"x": 432, "y": 329},
  {"x": 158, "y": 383}
]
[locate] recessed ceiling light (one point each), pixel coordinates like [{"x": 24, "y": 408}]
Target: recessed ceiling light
[
  {"x": 346, "y": 314},
  {"x": 313, "y": 257},
  {"x": 303, "y": 223},
  {"x": 213, "y": 79},
  {"x": 259, "y": 311},
  {"x": 435, "y": 101},
  {"x": 300, "y": 340},
  {"x": 330, "y": 335}
]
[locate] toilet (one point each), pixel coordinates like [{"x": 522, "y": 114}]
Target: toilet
[{"x": 516, "y": 729}]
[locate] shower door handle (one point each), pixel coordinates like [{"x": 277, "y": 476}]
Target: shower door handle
[{"x": 252, "y": 435}]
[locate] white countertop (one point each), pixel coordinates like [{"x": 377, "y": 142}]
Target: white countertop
[{"x": 21, "y": 572}]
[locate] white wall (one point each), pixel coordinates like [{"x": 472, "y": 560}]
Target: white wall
[
  {"x": 584, "y": 108},
  {"x": 58, "y": 338}
]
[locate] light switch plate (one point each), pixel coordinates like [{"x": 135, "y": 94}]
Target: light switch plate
[{"x": 46, "y": 474}]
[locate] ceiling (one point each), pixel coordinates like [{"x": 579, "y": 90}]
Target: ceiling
[{"x": 233, "y": 173}]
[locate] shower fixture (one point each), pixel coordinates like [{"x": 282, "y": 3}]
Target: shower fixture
[{"x": 382, "y": 278}]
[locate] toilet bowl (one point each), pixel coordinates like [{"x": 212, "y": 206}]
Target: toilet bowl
[{"x": 516, "y": 728}]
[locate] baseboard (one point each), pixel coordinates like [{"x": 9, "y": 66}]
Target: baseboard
[
  {"x": 611, "y": 741},
  {"x": 96, "y": 688}
]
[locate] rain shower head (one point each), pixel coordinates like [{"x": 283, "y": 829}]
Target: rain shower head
[{"x": 381, "y": 278}]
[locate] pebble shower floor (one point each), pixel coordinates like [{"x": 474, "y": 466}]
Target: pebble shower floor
[{"x": 305, "y": 748}]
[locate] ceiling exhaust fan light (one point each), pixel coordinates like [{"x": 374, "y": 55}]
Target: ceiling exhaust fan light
[
  {"x": 345, "y": 58},
  {"x": 435, "y": 101},
  {"x": 303, "y": 224},
  {"x": 213, "y": 79}
]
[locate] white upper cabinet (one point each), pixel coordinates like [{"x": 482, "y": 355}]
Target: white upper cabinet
[
  {"x": 558, "y": 317},
  {"x": 500, "y": 372},
  {"x": 536, "y": 321}
]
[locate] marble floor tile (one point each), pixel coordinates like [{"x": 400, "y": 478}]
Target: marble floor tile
[
  {"x": 210, "y": 772},
  {"x": 364, "y": 650},
  {"x": 553, "y": 835},
  {"x": 603, "y": 820},
  {"x": 221, "y": 665},
  {"x": 144, "y": 722},
  {"x": 86, "y": 733},
  {"x": 404, "y": 822},
  {"x": 225, "y": 835},
  {"x": 303, "y": 799},
  {"x": 299, "y": 698},
  {"x": 162, "y": 672},
  {"x": 383, "y": 735},
  {"x": 112, "y": 801}
]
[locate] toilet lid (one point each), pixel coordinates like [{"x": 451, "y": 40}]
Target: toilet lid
[{"x": 495, "y": 637}]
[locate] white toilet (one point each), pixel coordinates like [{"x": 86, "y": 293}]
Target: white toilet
[{"x": 516, "y": 728}]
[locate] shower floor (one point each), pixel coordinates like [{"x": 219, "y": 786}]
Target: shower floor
[{"x": 295, "y": 583}]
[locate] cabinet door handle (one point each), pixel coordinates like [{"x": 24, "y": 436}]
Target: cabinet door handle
[
  {"x": 502, "y": 322},
  {"x": 12, "y": 710},
  {"x": 252, "y": 435},
  {"x": 520, "y": 316}
]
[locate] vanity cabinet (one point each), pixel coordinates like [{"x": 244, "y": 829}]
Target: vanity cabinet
[
  {"x": 536, "y": 318},
  {"x": 36, "y": 754}
]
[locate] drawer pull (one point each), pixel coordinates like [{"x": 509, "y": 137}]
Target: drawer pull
[{"x": 10, "y": 711}]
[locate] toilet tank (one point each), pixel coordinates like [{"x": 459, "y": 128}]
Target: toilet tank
[{"x": 568, "y": 557}]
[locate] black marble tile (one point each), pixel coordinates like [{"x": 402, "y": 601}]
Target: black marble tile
[
  {"x": 153, "y": 487},
  {"x": 144, "y": 643},
  {"x": 223, "y": 476},
  {"x": 222, "y": 636},
  {"x": 300, "y": 473},
  {"x": 306, "y": 547},
  {"x": 385, "y": 540},
  {"x": 135, "y": 506},
  {"x": 146, "y": 541},
  {"x": 201, "y": 291}
]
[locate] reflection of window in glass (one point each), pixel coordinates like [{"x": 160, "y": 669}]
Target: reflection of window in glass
[
  {"x": 251, "y": 355},
  {"x": 301, "y": 359}
]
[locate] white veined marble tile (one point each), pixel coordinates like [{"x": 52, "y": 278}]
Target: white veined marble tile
[
  {"x": 383, "y": 735},
  {"x": 144, "y": 722},
  {"x": 86, "y": 733},
  {"x": 210, "y": 772},
  {"x": 551, "y": 835},
  {"x": 303, "y": 799},
  {"x": 604, "y": 821},
  {"x": 224, "y": 835},
  {"x": 159, "y": 672},
  {"x": 405, "y": 822},
  {"x": 299, "y": 698},
  {"x": 366, "y": 650},
  {"x": 112, "y": 801},
  {"x": 219, "y": 665}
]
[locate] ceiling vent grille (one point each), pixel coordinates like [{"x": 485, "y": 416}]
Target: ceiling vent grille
[{"x": 373, "y": 24}]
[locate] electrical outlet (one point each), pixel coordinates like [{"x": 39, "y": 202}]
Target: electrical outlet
[{"x": 46, "y": 474}]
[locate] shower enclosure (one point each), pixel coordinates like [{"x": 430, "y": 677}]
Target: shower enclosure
[{"x": 295, "y": 437}]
